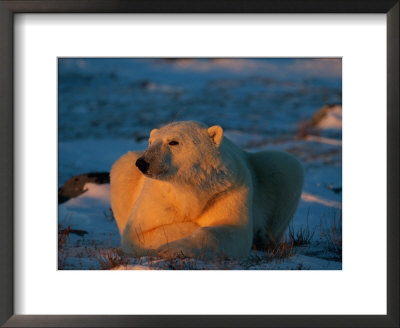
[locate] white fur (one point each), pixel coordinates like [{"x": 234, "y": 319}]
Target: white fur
[{"x": 202, "y": 196}]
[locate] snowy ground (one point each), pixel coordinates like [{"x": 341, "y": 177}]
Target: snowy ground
[{"x": 108, "y": 106}]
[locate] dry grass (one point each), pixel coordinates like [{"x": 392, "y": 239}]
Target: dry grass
[
  {"x": 63, "y": 237},
  {"x": 303, "y": 236},
  {"x": 109, "y": 258},
  {"x": 330, "y": 247},
  {"x": 331, "y": 234},
  {"x": 280, "y": 251}
]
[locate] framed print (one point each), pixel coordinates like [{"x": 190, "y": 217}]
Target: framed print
[
  {"x": 83, "y": 83},
  {"x": 90, "y": 234}
]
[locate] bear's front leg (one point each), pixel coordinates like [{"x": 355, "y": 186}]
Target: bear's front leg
[
  {"x": 201, "y": 245},
  {"x": 210, "y": 243},
  {"x": 225, "y": 231}
]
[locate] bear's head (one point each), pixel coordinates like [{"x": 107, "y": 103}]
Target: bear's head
[{"x": 187, "y": 152}]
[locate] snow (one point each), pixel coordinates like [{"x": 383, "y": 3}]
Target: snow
[
  {"x": 90, "y": 212},
  {"x": 332, "y": 119},
  {"x": 91, "y": 155},
  {"x": 108, "y": 107},
  {"x": 324, "y": 140},
  {"x": 312, "y": 198}
]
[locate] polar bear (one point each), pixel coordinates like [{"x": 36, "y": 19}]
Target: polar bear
[{"x": 195, "y": 193}]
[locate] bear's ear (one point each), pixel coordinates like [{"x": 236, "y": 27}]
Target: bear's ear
[
  {"x": 153, "y": 131},
  {"x": 216, "y": 133}
]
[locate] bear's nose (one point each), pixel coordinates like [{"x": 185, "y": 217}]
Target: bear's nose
[{"x": 142, "y": 165}]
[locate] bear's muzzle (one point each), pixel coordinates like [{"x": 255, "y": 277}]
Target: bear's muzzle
[{"x": 142, "y": 165}]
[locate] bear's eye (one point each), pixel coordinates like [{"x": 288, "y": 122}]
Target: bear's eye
[{"x": 173, "y": 143}]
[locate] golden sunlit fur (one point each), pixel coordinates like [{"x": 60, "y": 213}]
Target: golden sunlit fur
[{"x": 202, "y": 196}]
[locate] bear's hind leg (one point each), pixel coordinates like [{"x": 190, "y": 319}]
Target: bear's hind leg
[{"x": 279, "y": 179}]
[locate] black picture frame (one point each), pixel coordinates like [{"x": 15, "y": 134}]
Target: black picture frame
[{"x": 10, "y": 7}]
